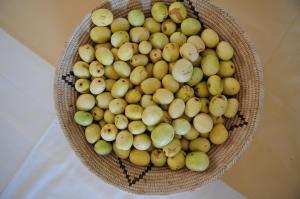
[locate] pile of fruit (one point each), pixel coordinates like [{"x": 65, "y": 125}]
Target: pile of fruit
[{"x": 155, "y": 89}]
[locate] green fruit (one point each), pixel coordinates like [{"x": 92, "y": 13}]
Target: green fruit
[
  {"x": 155, "y": 55},
  {"x": 160, "y": 69},
  {"x": 102, "y": 147},
  {"x": 172, "y": 148},
  {"x": 138, "y": 34},
  {"x": 152, "y": 115},
  {"x": 197, "y": 42},
  {"x": 150, "y": 85},
  {"x": 159, "y": 11},
  {"x": 231, "y": 86},
  {"x": 176, "y": 108},
  {"x": 218, "y": 134},
  {"x": 232, "y": 108},
  {"x": 109, "y": 132},
  {"x": 189, "y": 52},
  {"x": 201, "y": 90},
  {"x": 182, "y": 70},
  {"x": 123, "y": 154},
  {"x": 136, "y": 127},
  {"x": 163, "y": 96},
  {"x": 200, "y": 144},
  {"x": 193, "y": 107},
  {"x": 103, "y": 99},
  {"x": 124, "y": 140},
  {"x": 177, "y": 12},
  {"x": 181, "y": 126},
  {"x": 121, "y": 121},
  {"x": 138, "y": 75},
  {"x": 227, "y": 69},
  {"x": 122, "y": 68},
  {"x": 145, "y": 47},
  {"x": 104, "y": 56},
  {"x": 139, "y": 60},
  {"x": 100, "y": 35},
  {"x": 139, "y": 158},
  {"x": 102, "y": 17},
  {"x": 119, "y": 38},
  {"x": 171, "y": 52},
  {"x": 134, "y": 111},
  {"x": 81, "y": 70},
  {"x": 214, "y": 85},
  {"x": 158, "y": 158},
  {"x": 197, "y": 161},
  {"x": 177, "y": 162},
  {"x": 136, "y": 17},
  {"x": 97, "y": 113},
  {"x": 120, "y": 88},
  {"x": 82, "y": 85},
  {"x": 142, "y": 142},
  {"x": 168, "y": 27},
  {"x": 159, "y": 40},
  {"x": 197, "y": 76},
  {"x": 120, "y": 24},
  {"x": 97, "y": 86},
  {"x": 152, "y": 25},
  {"x": 85, "y": 102},
  {"x": 192, "y": 134},
  {"x": 87, "y": 53},
  {"x": 178, "y": 37},
  {"x": 210, "y": 65},
  {"x": 210, "y": 38},
  {"x": 83, "y": 118},
  {"x": 162, "y": 135},
  {"x": 203, "y": 123},
  {"x": 224, "y": 51},
  {"x": 92, "y": 133},
  {"x": 185, "y": 93},
  {"x": 190, "y": 26},
  {"x": 170, "y": 83},
  {"x": 96, "y": 69},
  {"x": 117, "y": 106},
  {"x": 125, "y": 52}
]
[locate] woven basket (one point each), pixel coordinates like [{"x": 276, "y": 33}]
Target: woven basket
[{"x": 161, "y": 181}]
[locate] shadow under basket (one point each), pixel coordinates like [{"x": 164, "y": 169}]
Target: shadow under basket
[{"x": 161, "y": 181}]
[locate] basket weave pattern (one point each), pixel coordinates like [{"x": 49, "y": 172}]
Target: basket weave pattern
[{"x": 150, "y": 180}]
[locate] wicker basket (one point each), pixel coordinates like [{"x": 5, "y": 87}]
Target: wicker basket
[{"x": 161, "y": 181}]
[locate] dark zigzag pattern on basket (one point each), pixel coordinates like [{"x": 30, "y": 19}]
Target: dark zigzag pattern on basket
[
  {"x": 69, "y": 79},
  {"x": 193, "y": 8},
  {"x": 135, "y": 179},
  {"x": 240, "y": 125}
]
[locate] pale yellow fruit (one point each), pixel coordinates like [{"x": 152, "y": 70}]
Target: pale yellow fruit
[
  {"x": 120, "y": 24},
  {"x": 181, "y": 126},
  {"x": 149, "y": 69},
  {"x": 109, "y": 117},
  {"x": 155, "y": 55},
  {"x": 162, "y": 135},
  {"x": 134, "y": 111},
  {"x": 120, "y": 88},
  {"x": 200, "y": 144},
  {"x": 170, "y": 83},
  {"x": 100, "y": 35},
  {"x": 121, "y": 121},
  {"x": 203, "y": 123},
  {"x": 168, "y": 27},
  {"x": 92, "y": 133},
  {"x": 109, "y": 132},
  {"x": 159, "y": 11},
  {"x": 124, "y": 140},
  {"x": 139, "y": 60},
  {"x": 224, "y": 51},
  {"x": 232, "y": 108},
  {"x": 201, "y": 90},
  {"x": 104, "y": 56},
  {"x": 82, "y": 85},
  {"x": 125, "y": 52},
  {"x": 218, "y": 134},
  {"x": 147, "y": 101},
  {"x": 122, "y": 68},
  {"x": 152, "y": 115},
  {"x": 227, "y": 69},
  {"x": 171, "y": 52},
  {"x": 142, "y": 142},
  {"x": 214, "y": 85},
  {"x": 210, "y": 38},
  {"x": 159, "y": 40},
  {"x": 177, "y": 162},
  {"x": 192, "y": 134},
  {"x": 204, "y": 105},
  {"x": 231, "y": 86},
  {"x": 182, "y": 70},
  {"x": 197, "y": 161},
  {"x": 85, "y": 102},
  {"x": 103, "y": 99},
  {"x": 138, "y": 75},
  {"x": 210, "y": 65},
  {"x": 133, "y": 96},
  {"x": 87, "y": 52},
  {"x": 110, "y": 73},
  {"x": 81, "y": 70},
  {"x": 97, "y": 86},
  {"x": 185, "y": 93},
  {"x": 109, "y": 84},
  {"x": 136, "y": 127},
  {"x": 176, "y": 108},
  {"x": 172, "y": 148},
  {"x": 193, "y": 107},
  {"x": 177, "y": 12},
  {"x": 145, "y": 47},
  {"x": 96, "y": 69},
  {"x": 189, "y": 51},
  {"x": 117, "y": 106},
  {"x": 218, "y": 105},
  {"x": 138, "y": 34},
  {"x": 123, "y": 154},
  {"x": 150, "y": 85},
  {"x": 139, "y": 158},
  {"x": 160, "y": 69},
  {"x": 97, "y": 113},
  {"x": 163, "y": 96},
  {"x": 178, "y": 37},
  {"x": 197, "y": 42},
  {"x": 152, "y": 25},
  {"x": 103, "y": 147},
  {"x": 158, "y": 158},
  {"x": 102, "y": 17}
]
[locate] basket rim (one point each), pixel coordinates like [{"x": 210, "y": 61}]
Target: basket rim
[{"x": 222, "y": 170}]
